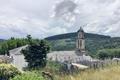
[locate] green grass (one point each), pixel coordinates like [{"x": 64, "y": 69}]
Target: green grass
[{"x": 29, "y": 76}]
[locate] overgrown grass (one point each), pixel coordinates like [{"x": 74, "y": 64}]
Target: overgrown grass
[
  {"x": 36, "y": 74},
  {"x": 108, "y": 73},
  {"x": 29, "y": 76}
]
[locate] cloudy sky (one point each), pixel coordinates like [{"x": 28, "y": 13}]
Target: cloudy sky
[{"x": 42, "y": 18}]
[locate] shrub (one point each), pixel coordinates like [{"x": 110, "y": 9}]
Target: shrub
[
  {"x": 8, "y": 71},
  {"x": 108, "y": 53},
  {"x": 53, "y": 67},
  {"x": 29, "y": 76}
]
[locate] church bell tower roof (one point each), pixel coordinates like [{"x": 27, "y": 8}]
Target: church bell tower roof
[{"x": 81, "y": 30}]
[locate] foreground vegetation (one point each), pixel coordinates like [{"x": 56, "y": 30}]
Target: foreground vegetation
[
  {"x": 109, "y": 73},
  {"x": 8, "y": 71},
  {"x": 29, "y": 76}
]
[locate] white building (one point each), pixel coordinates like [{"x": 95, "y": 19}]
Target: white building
[{"x": 18, "y": 57}]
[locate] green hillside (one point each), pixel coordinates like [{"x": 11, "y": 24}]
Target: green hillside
[{"x": 94, "y": 42}]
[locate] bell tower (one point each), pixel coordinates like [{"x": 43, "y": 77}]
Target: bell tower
[{"x": 80, "y": 42}]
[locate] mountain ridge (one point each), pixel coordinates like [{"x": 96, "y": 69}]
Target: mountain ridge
[{"x": 73, "y": 34}]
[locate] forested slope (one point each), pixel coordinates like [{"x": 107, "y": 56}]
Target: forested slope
[{"x": 94, "y": 42}]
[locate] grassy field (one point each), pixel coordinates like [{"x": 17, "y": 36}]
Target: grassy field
[{"x": 110, "y": 73}]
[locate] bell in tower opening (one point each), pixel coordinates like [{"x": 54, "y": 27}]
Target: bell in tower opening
[{"x": 80, "y": 42}]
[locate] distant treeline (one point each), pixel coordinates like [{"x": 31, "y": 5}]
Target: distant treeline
[
  {"x": 108, "y": 53},
  {"x": 12, "y": 43}
]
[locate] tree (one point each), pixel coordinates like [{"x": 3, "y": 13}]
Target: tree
[
  {"x": 29, "y": 38},
  {"x": 109, "y": 53},
  {"x": 36, "y": 54},
  {"x": 4, "y": 49}
]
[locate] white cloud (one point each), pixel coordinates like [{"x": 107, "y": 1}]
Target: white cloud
[
  {"x": 101, "y": 16},
  {"x": 21, "y": 17}
]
